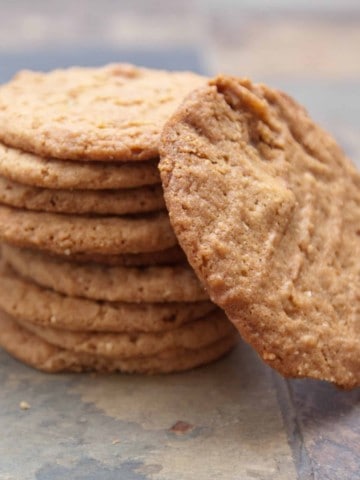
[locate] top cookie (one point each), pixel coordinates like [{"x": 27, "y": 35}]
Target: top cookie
[
  {"x": 111, "y": 113},
  {"x": 267, "y": 209}
]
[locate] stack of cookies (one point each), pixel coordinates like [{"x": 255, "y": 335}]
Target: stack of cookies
[{"x": 92, "y": 276}]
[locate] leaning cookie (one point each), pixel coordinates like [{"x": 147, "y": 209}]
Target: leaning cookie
[
  {"x": 267, "y": 209},
  {"x": 36, "y": 352}
]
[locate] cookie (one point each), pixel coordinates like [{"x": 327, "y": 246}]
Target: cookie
[
  {"x": 26, "y": 301},
  {"x": 104, "y": 202},
  {"x": 40, "y": 354},
  {"x": 267, "y": 209},
  {"x": 191, "y": 336},
  {"x": 170, "y": 256},
  {"x": 114, "y": 284},
  {"x": 111, "y": 113},
  {"x": 30, "y": 169},
  {"x": 67, "y": 234}
]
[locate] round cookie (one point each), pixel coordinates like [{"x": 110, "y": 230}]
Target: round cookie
[
  {"x": 67, "y": 234},
  {"x": 29, "y": 169},
  {"x": 103, "y": 202},
  {"x": 169, "y": 256},
  {"x": 191, "y": 336},
  {"x": 115, "y": 112},
  {"x": 26, "y": 301},
  {"x": 267, "y": 209},
  {"x": 34, "y": 351},
  {"x": 114, "y": 284}
]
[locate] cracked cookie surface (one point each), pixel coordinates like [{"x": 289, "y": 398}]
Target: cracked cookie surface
[
  {"x": 267, "y": 208},
  {"x": 111, "y": 113}
]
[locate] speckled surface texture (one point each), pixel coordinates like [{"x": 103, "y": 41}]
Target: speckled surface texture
[
  {"x": 119, "y": 426},
  {"x": 240, "y": 420}
]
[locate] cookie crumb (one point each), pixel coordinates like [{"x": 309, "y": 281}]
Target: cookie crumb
[
  {"x": 181, "y": 427},
  {"x": 24, "y": 405},
  {"x": 269, "y": 356}
]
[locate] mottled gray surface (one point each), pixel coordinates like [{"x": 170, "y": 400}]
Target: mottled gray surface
[
  {"x": 118, "y": 426},
  {"x": 329, "y": 429},
  {"x": 244, "y": 420}
]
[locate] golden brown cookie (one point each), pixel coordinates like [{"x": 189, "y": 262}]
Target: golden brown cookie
[
  {"x": 115, "y": 112},
  {"x": 267, "y": 209},
  {"x": 190, "y": 336},
  {"x": 169, "y": 256},
  {"x": 67, "y": 234},
  {"x": 29, "y": 169},
  {"x": 103, "y": 202},
  {"x": 115, "y": 284},
  {"x": 26, "y": 301},
  {"x": 40, "y": 354}
]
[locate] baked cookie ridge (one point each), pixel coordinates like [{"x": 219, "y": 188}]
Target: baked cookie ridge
[
  {"x": 67, "y": 234},
  {"x": 36, "y": 352},
  {"x": 102, "y": 202},
  {"x": 33, "y": 170},
  {"x": 116, "y": 284},
  {"x": 27, "y": 301},
  {"x": 191, "y": 336}
]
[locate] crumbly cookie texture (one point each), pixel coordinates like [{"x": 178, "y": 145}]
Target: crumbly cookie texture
[
  {"x": 36, "y": 352},
  {"x": 24, "y": 300},
  {"x": 267, "y": 209},
  {"x": 169, "y": 256},
  {"x": 190, "y": 336},
  {"x": 176, "y": 283},
  {"x": 67, "y": 234},
  {"x": 111, "y": 113},
  {"x": 103, "y": 202},
  {"x": 30, "y": 169}
]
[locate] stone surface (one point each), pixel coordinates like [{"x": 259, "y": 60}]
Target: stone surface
[
  {"x": 119, "y": 426},
  {"x": 329, "y": 422}
]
